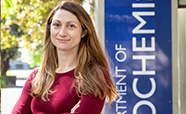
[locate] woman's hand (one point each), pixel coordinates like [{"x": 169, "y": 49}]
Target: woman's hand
[{"x": 74, "y": 108}]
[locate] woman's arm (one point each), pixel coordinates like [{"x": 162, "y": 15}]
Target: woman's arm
[
  {"x": 24, "y": 102},
  {"x": 88, "y": 105}
]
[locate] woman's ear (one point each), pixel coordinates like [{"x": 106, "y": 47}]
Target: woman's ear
[{"x": 84, "y": 33}]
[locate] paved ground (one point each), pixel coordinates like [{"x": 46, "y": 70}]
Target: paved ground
[{"x": 9, "y": 97}]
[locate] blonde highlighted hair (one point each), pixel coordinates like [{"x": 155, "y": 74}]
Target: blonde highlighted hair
[{"x": 92, "y": 71}]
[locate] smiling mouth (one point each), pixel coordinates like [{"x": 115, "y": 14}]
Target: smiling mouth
[{"x": 63, "y": 40}]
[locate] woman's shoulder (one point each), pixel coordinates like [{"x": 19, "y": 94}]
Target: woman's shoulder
[{"x": 33, "y": 73}]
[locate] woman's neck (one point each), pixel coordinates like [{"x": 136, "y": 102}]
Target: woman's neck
[{"x": 67, "y": 60}]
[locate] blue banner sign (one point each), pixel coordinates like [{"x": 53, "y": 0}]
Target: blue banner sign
[{"x": 138, "y": 42}]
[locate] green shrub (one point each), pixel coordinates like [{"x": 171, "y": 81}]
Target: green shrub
[{"x": 4, "y": 81}]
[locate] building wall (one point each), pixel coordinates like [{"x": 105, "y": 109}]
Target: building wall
[
  {"x": 179, "y": 58},
  {"x": 182, "y": 59},
  {"x": 100, "y": 24}
]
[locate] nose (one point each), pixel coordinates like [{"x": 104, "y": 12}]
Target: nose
[{"x": 63, "y": 32}]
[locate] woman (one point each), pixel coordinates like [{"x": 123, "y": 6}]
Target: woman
[{"x": 74, "y": 74}]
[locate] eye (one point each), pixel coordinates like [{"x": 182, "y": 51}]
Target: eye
[
  {"x": 71, "y": 26},
  {"x": 56, "y": 24}
]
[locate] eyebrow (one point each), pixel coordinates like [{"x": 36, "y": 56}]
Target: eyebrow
[{"x": 67, "y": 21}]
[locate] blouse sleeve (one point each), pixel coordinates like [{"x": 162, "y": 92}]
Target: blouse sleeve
[{"x": 24, "y": 102}]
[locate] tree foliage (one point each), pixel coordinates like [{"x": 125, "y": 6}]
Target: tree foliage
[{"x": 30, "y": 16}]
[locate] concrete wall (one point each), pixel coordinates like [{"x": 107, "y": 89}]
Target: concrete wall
[
  {"x": 99, "y": 20},
  {"x": 182, "y": 60},
  {"x": 179, "y": 58},
  {"x": 100, "y": 24}
]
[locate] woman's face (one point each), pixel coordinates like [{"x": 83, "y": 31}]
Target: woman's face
[{"x": 66, "y": 31}]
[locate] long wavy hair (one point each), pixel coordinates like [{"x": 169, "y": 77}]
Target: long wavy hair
[{"x": 92, "y": 70}]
